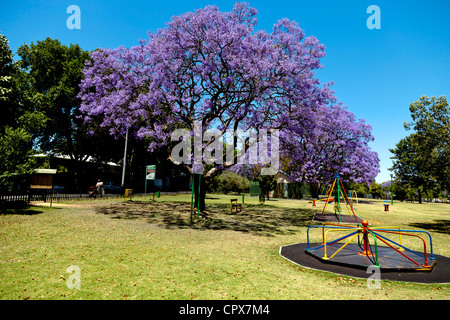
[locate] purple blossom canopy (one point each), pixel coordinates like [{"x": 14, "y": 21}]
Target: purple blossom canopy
[{"x": 214, "y": 67}]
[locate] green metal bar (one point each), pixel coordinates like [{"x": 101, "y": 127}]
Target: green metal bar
[
  {"x": 392, "y": 195},
  {"x": 376, "y": 246},
  {"x": 198, "y": 205},
  {"x": 243, "y": 182},
  {"x": 192, "y": 196}
]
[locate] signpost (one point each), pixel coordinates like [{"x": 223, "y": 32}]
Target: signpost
[
  {"x": 243, "y": 182},
  {"x": 150, "y": 173},
  {"x": 392, "y": 192}
]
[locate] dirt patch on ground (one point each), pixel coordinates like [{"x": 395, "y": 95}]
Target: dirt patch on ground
[{"x": 62, "y": 205}]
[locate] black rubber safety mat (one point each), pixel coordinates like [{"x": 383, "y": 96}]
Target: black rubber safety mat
[
  {"x": 331, "y": 217},
  {"x": 388, "y": 258},
  {"x": 440, "y": 273}
]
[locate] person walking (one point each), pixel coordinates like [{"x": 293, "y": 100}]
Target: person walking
[{"x": 99, "y": 187}]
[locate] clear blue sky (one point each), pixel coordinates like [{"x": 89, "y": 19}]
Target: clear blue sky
[{"x": 378, "y": 73}]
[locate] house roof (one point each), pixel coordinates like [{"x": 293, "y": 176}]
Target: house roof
[{"x": 63, "y": 156}]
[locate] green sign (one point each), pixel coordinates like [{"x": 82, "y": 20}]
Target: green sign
[{"x": 150, "y": 172}]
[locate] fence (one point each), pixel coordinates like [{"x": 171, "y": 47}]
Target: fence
[
  {"x": 284, "y": 190},
  {"x": 11, "y": 198},
  {"x": 14, "y": 198},
  {"x": 255, "y": 189},
  {"x": 44, "y": 195},
  {"x": 292, "y": 190}
]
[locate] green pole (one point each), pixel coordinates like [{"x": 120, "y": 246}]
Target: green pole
[
  {"x": 199, "y": 185},
  {"x": 192, "y": 196},
  {"x": 243, "y": 182},
  {"x": 145, "y": 191},
  {"x": 392, "y": 194}
]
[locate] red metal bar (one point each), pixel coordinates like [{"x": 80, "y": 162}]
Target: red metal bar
[
  {"x": 366, "y": 251},
  {"x": 409, "y": 234},
  {"x": 398, "y": 251}
]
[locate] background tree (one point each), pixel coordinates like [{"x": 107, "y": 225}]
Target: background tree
[
  {"x": 54, "y": 72},
  {"x": 360, "y": 188},
  {"x": 229, "y": 181},
  {"x": 335, "y": 142},
  {"x": 17, "y": 123},
  {"x": 408, "y": 166},
  {"x": 9, "y": 102},
  {"x": 267, "y": 183},
  {"x": 51, "y": 74},
  {"x": 422, "y": 159},
  {"x": 376, "y": 190},
  {"x": 431, "y": 123}
]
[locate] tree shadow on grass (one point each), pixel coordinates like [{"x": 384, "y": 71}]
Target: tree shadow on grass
[
  {"x": 18, "y": 208},
  {"x": 254, "y": 219},
  {"x": 441, "y": 226}
]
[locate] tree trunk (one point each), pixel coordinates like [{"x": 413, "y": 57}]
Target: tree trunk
[
  {"x": 314, "y": 190},
  {"x": 199, "y": 202}
]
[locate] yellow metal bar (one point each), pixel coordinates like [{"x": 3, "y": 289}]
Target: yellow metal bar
[
  {"x": 325, "y": 240},
  {"x": 357, "y": 204},
  {"x": 347, "y": 205},
  {"x": 346, "y": 200},
  {"x": 344, "y": 245}
]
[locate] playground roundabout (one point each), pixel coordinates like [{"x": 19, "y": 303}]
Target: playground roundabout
[
  {"x": 298, "y": 254},
  {"x": 354, "y": 247}
]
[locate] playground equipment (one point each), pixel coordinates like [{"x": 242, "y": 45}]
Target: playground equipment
[
  {"x": 354, "y": 199},
  {"x": 392, "y": 255},
  {"x": 325, "y": 199},
  {"x": 355, "y": 249},
  {"x": 338, "y": 214}
]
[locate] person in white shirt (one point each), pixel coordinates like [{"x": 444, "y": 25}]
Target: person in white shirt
[{"x": 99, "y": 187}]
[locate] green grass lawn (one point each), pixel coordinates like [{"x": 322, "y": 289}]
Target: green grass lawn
[{"x": 149, "y": 250}]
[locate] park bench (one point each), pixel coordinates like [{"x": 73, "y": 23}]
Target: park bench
[{"x": 234, "y": 205}]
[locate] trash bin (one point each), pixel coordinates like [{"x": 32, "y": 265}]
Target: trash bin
[
  {"x": 157, "y": 194},
  {"x": 128, "y": 192}
]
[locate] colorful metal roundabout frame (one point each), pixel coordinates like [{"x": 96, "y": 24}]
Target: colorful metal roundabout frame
[
  {"x": 353, "y": 248},
  {"x": 393, "y": 255}
]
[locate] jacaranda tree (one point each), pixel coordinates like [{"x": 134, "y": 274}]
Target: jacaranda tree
[
  {"x": 214, "y": 68},
  {"x": 335, "y": 143}
]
